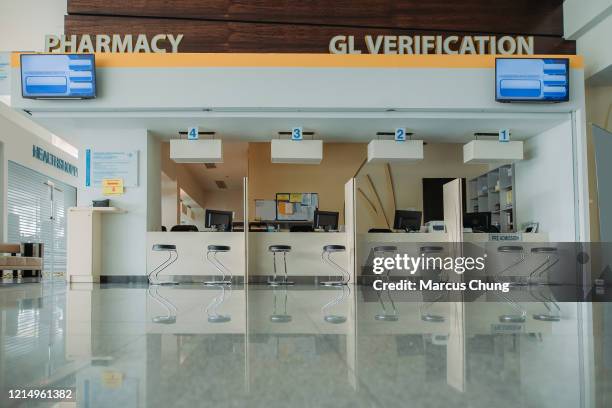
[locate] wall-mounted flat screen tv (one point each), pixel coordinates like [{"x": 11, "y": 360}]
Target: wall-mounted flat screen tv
[
  {"x": 55, "y": 76},
  {"x": 532, "y": 80}
]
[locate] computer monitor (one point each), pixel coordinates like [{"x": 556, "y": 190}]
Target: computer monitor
[
  {"x": 407, "y": 220},
  {"x": 222, "y": 220},
  {"x": 478, "y": 222},
  {"x": 328, "y": 220}
]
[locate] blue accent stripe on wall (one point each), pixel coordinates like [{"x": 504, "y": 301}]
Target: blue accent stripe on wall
[{"x": 88, "y": 168}]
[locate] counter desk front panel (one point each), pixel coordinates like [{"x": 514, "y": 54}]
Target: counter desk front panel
[
  {"x": 304, "y": 258},
  {"x": 191, "y": 249}
]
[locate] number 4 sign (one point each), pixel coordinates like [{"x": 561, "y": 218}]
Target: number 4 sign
[{"x": 193, "y": 133}]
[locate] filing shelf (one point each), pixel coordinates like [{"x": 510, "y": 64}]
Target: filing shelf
[{"x": 494, "y": 192}]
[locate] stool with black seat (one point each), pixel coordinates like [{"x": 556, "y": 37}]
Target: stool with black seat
[
  {"x": 281, "y": 249},
  {"x": 384, "y": 251},
  {"x": 211, "y": 256},
  {"x": 328, "y": 250},
  {"x": 153, "y": 276}
]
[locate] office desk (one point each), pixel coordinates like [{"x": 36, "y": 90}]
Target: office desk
[
  {"x": 191, "y": 248},
  {"x": 305, "y": 256}
]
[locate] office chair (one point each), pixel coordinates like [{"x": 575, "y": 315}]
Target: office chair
[
  {"x": 301, "y": 228},
  {"x": 379, "y": 230},
  {"x": 183, "y": 228}
]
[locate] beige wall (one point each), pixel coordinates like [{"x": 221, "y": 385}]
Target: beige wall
[
  {"x": 227, "y": 200},
  {"x": 442, "y": 160},
  {"x": 599, "y": 112},
  {"x": 340, "y": 162}
]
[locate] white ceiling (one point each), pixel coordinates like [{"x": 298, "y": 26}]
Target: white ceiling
[{"x": 457, "y": 127}]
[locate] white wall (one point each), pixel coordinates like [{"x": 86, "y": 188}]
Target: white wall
[
  {"x": 589, "y": 22},
  {"x": 17, "y": 135},
  {"x": 169, "y": 201},
  {"x": 544, "y": 185},
  {"x": 24, "y": 23},
  {"x": 123, "y": 235}
]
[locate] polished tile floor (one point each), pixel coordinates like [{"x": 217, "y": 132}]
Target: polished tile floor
[{"x": 304, "y": 346}]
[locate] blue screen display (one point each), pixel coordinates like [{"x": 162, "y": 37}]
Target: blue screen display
[
  {"x": 532, "y": 79},
  {"x": 58, "y": 76}
]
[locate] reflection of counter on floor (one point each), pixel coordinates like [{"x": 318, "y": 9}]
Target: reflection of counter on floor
[
  {"x": 190, "y": 304},
  {"x": 304, "y": 258},
  {"x": 191, "y": 248}
]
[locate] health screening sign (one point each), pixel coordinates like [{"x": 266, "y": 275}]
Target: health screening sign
[{"x": 52, "y": 160}]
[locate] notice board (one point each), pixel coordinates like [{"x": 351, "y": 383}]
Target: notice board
[
  {"x": 111, "y": 165},
  {"x": 296, "y": 206}
]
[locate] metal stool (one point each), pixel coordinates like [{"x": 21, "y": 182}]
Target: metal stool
[
  {"x": 384, "y": 250},
  {"x": 284, "y": 249},
  {"x": 283, "y": 317},
  {"x": 545, "y": 266},
  {"x": 170, "y": 317},
  {"x": 386, "y": 316},
  {"x": 211, "y": 256},
  {"x": 172, "y": 257},
  {"x": 211, "y": 309},
  {"x": 426, "y": 316},
  {"x": 326, "y": 257},
  {"x": 511, "y": 318},
  {"x": 335, "y": 318}
]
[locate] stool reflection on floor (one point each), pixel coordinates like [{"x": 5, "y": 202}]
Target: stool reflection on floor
[
  {"x": 283, "y": 249},
  {"x": 153, "y": 276},
  {"x": 328, "y": 250},
  {"x": 211, "y": 256}
]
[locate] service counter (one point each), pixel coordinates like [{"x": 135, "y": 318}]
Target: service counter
[
  {"x": 304, "y": 258},
  {"x": 191, "y": 249}
]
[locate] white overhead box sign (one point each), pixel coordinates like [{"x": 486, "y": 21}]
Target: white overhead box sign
[
  {"x": 492, "y": 151},
  {"x": 392, "y": 151},
  {"x": 297, "y": 152},
  {"x": 196, "y": 151}
]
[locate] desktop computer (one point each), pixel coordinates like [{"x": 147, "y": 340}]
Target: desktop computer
[
  {"x": 220, "y": 220},
  {"x": 409, "y": 221},
  {"x": 327, "y": 220}
]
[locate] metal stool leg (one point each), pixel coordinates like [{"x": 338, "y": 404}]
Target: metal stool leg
[
  {"x": 285, "y": 281},
  {"x": 273, "y": 282},
  {"x": 334, "y": 318},
  {"x": 343, "y": 272},
  {"x": 211, "y": 309},
  {"x": 211, "y": 256},
  {"x": 171, "y": 310},
  {"x": 153, "y": 276}
]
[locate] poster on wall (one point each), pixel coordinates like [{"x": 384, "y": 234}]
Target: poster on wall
[
  {"x": 5, "y": 70},
  {"x": 111, "y": 165},
  {"x": 296, "y": 206}
]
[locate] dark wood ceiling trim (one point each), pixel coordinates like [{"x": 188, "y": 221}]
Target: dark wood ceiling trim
[
  {"x": 221, "y": 36},
  {"x": 534, "y": 17}
]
